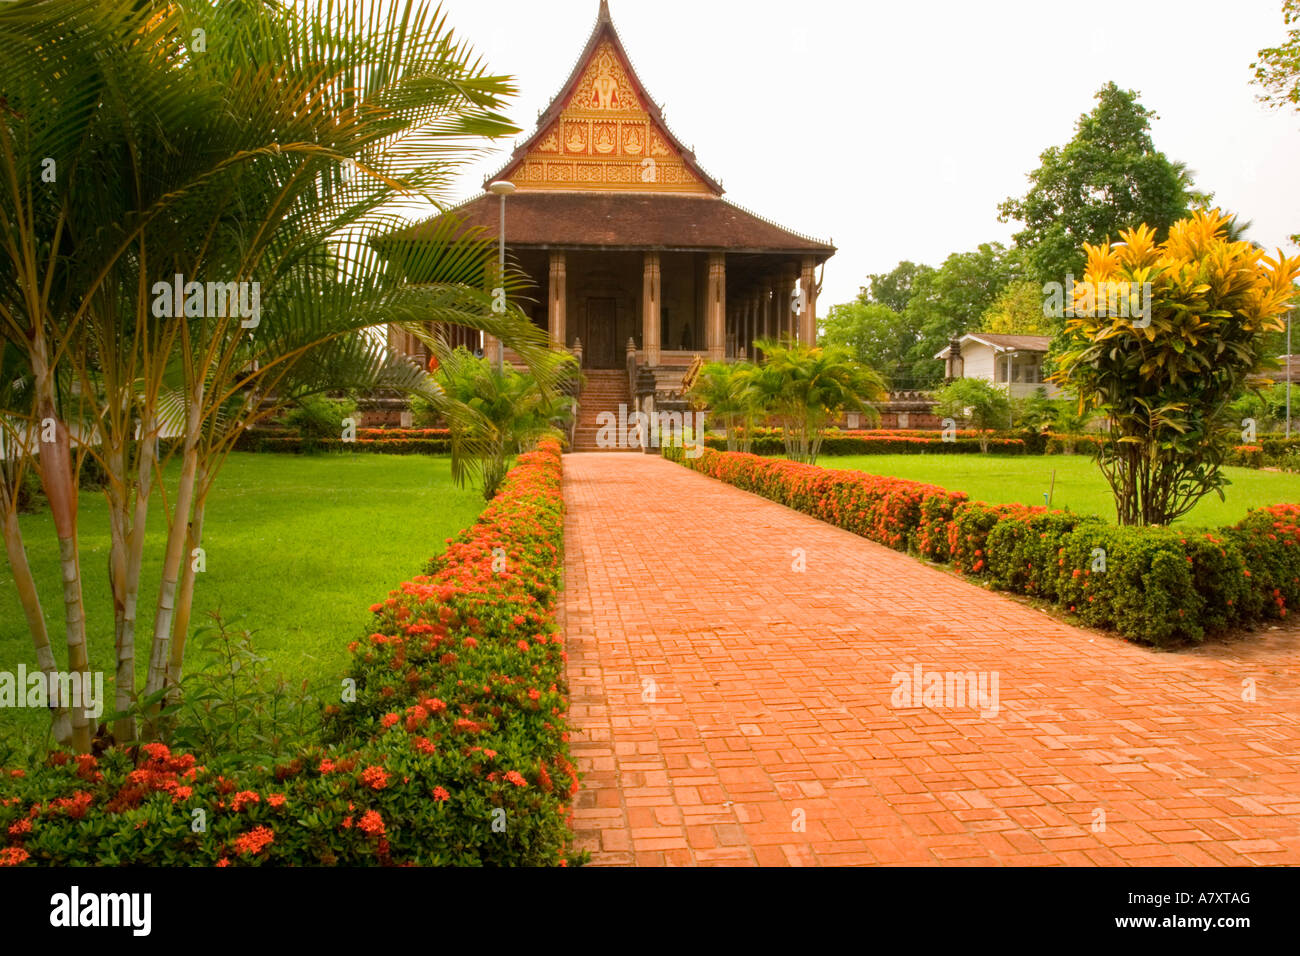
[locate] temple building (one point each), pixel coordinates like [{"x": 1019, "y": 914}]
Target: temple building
[{"x": 638, "y": 264}]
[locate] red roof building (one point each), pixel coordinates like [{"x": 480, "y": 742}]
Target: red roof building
[{"x": 628, "y": 241}]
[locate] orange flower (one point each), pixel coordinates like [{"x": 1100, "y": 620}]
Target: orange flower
[
  {"x": 372, "y": 823},
  {"x": 375, "y": 777},
  {"x": 254, "y": 841}
]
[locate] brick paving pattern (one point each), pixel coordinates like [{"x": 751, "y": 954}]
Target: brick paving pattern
[{"x": 721, "y": 697}]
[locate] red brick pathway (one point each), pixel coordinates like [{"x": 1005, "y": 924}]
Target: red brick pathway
[{"x": 722, "y": 697}]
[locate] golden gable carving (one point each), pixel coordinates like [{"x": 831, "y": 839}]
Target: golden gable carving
[{"x": 605, "y": 139}]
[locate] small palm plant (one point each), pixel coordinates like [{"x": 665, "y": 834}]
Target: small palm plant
[
  {"x": 501, "y": 414},
  {"x": 731, "y": 397},
  {"x": 806, "y": 388}
]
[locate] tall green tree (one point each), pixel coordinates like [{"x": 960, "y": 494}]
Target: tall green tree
[
  {"x": 1108, "y": 178},
  {"x": 894, "y": 289},
  {"x": 952, "y": 300},
  {"x": 1278, "y": 68},
  {"x": 1018, "y": 310},
  {"x": 875, "y": 335}
]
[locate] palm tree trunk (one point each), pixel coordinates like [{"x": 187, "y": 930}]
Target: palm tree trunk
[
  {"x": 31, "y": 602},
  {"x": 125, "y": 730},
  {"x": 119, "y": 499},
  {"x": 185, "y": 601},
  {"x": 60, "y": 484},
  {"x": 177, "y": 535}
]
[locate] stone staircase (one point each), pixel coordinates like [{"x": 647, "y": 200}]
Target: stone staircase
[{"x": 604, "y": 391}]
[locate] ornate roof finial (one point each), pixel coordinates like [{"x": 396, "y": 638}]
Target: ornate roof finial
[{"x": 603, "y": 16}]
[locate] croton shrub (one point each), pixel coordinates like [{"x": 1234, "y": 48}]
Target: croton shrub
[
  {"x": 1156, "y": 585},
  {"x": 449, "y": 745}
]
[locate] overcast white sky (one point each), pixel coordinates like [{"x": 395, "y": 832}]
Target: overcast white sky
[{"x": 895, "y": 128}]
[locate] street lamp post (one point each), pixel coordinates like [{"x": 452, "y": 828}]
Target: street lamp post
[{"x": 503, "y": 189}]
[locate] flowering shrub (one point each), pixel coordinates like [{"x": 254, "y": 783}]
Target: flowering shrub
[
  {"x": 1269, "y": 542},
  {"x": 887, "y": 510},
  {"x": 452, "y": 750},
  {"x": 968, "y": 533},
  {"x": 1246, "y": 456},
  {"x": 937, "y": 513},
  {"x": 406, "y": 434},
  {"x": 1158, "y": 585}
]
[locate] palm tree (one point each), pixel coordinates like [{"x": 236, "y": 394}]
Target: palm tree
[
  {"x": 507, "y": 412},
  {"x": 223, "y": 142},
  {"x": 730, "y": 395},
  {"x": 806, "y": 388}
]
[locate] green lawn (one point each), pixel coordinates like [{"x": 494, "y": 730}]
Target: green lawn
[
  {"x": 1079, "y": 482},
  {"x": 297, "y": 548}
]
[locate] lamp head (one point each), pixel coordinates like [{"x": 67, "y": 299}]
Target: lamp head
[{"x": 501, "y": 188}]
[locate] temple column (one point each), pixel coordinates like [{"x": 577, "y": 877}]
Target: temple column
[
  {"x": 784, "y": 294},
  {"x": 716, "y": 306},
  {"x": 750, "y": 327},
  {"x": 559, "y": 293},
  {"x": 651, "y": 304},
  {"x": 808, "y": 318}
]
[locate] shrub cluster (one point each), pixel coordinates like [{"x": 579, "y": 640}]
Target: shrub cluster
[
  {"x": 1246, "y": 456},
  {"x": 1072, "y": 444},
  {"x": 1157, "y": 585},
  {"x": 450, "y": 745}
]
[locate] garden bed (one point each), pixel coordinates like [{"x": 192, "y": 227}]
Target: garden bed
[{"x": 450, "y": 745}]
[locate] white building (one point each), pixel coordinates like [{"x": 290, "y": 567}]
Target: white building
[{"x": 1013, "y": 361}]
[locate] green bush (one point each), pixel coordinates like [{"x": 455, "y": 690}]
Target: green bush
[
  {"x": 317, "y": 418},
  {"x": 424, "y": 414},
  {"x": 968, "y": 533},
  {"x": 1024, "y": 550}
]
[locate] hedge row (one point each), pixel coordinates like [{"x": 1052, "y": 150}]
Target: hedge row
[
  {"x": 1157, "y": 585},
  {"x": 455, "y": 750},
  {"x": 849, "y": 443},
  {"x": 775, "y": 432},
  {"x": 384, "y": 446}
]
